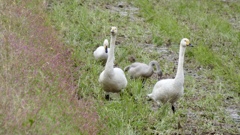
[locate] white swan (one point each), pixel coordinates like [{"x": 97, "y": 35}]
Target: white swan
[
  {"x": 170, "y": 90},
  {"x": 143, "y": 70},
  {"x": 112, "y": 79},
  {"x": 101, "y": 53}
]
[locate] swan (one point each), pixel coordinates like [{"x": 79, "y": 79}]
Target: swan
[
  {"x": 143, "y": 70},
  {"x": 101, "y": 53},
  {"x": 112, "y": 79},
  {"x": 170, "y": 90}
]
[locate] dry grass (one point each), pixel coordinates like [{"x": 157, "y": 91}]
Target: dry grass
[{"x": 37, "y": 87}]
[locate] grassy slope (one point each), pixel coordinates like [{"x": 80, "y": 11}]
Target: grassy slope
[
  {"x": 37, "y": 87},
  {"x": 211, "y": 82},
  {"x": 86, "y": 24}
]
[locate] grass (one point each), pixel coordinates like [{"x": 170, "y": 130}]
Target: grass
[{"x": 52, "y": 46}]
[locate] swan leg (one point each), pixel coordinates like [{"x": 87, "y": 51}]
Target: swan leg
[
  {"x": 173, "y": 108},
  {"x": 121, "y": 94},
  {"x": 143, "y": 82},
  {"x": 107, "y": 97}
]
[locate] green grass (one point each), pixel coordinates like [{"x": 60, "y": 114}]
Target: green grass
[{"x": 211, "y": 77}]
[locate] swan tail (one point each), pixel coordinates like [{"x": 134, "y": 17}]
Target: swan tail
[
  {"x": 126, "y": 68},
  {"x": 149, "y": 97}
]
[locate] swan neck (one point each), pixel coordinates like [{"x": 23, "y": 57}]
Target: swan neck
[
  {"x": 110, "y": 60},
  {"x": 150, "y": 69},
  {"x": 180, "y": 73},
  {"x": 158, "y": 68}
]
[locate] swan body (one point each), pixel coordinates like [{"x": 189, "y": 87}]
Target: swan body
[
  {"x": 101, "y": 53},
  {"x": 143, "y": 70},
  {"x": 112, "y": 79},
  {"x": 170, "y": 90},
  {"x": 113, "y": 82}
]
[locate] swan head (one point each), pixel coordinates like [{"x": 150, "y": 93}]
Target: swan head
[
  {"x": 159, "y": 71},
  {"x": 185, "y": 42},
  {"x": 105, "y": 44},
  {"x": 114, "y": 30},
  {"x": 153, "y": 63}
]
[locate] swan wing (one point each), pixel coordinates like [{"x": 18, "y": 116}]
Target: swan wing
[
  {"x": 162, "y": 89},
  {"x": 114, "y": 82}
]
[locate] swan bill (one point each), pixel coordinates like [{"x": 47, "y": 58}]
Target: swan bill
[
  {"x": 106, "y": 49},
  {"x": 190, "y": 45}
]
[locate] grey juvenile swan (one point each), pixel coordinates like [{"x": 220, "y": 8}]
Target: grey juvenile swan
[{"x": 142, "y": 70}]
